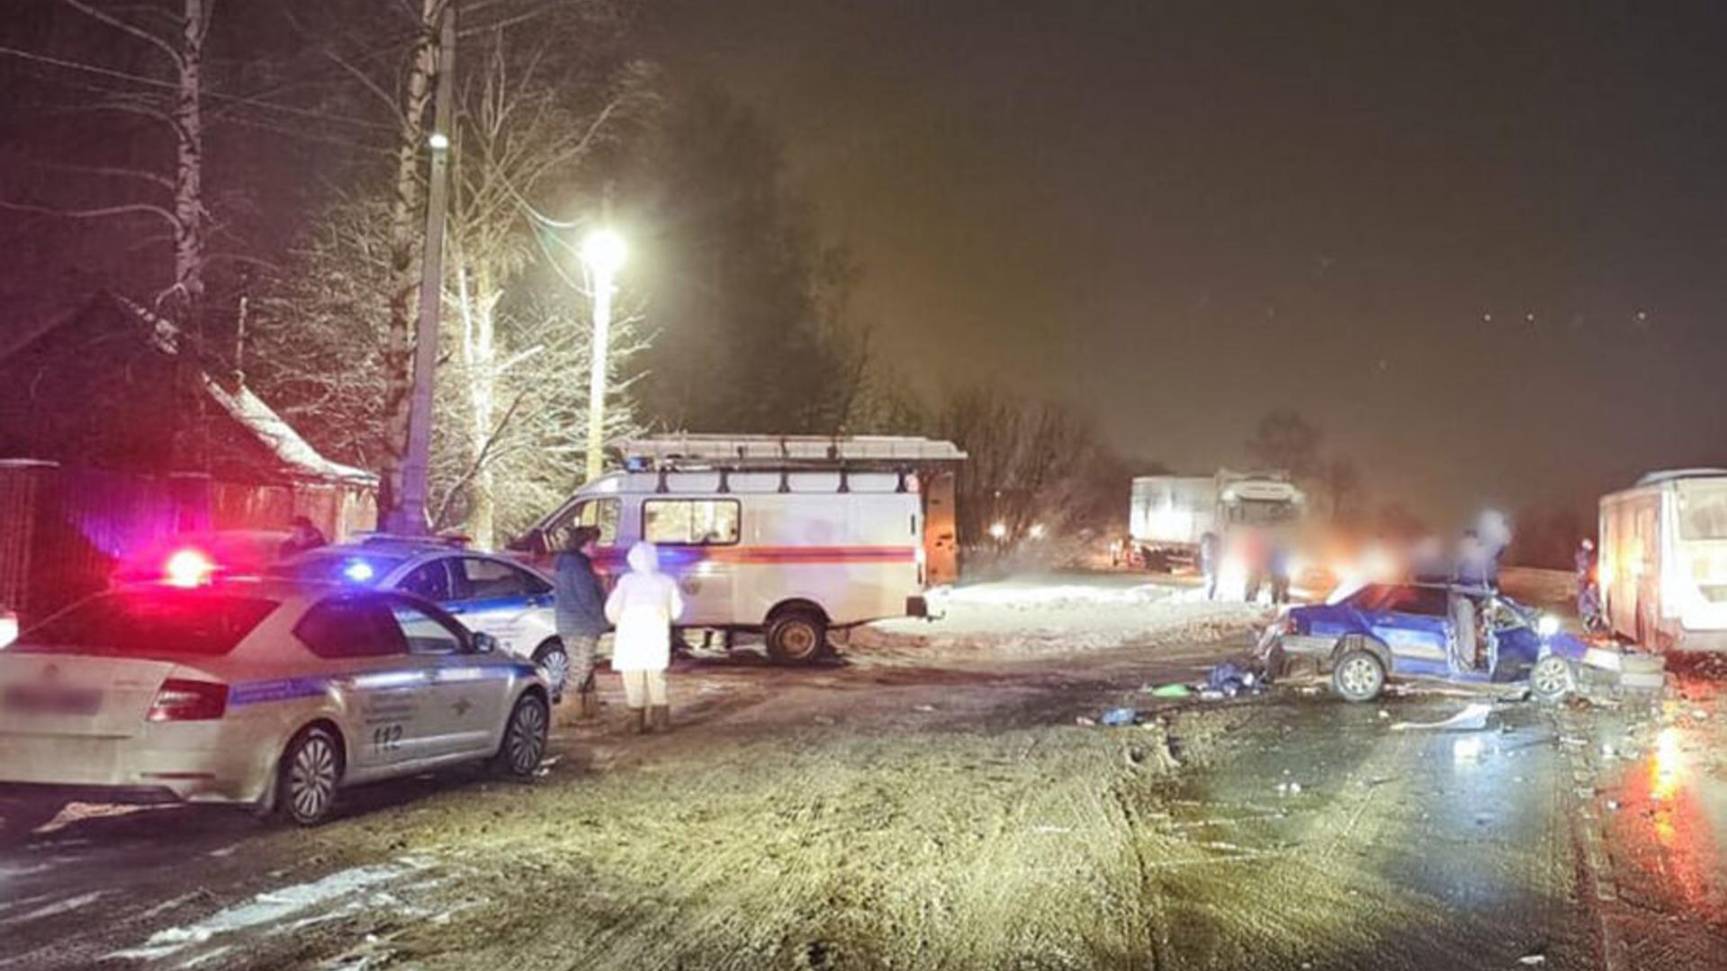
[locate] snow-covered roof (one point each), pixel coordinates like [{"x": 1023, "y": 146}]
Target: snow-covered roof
[
  {"x": 279, "y": 437},
  {"x": 251, "y": 413}
]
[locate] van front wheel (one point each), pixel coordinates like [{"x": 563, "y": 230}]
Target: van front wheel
[{"x": 798, "y": 637}]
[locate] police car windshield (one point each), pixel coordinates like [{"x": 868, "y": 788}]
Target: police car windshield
[
  {"x": 340, "y": 566},
  {"x": 150, "y": 624}
]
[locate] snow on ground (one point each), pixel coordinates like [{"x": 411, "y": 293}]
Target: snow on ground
[{"x": 1046, "y": 614}]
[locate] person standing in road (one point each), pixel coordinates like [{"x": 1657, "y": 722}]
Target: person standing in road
[
  {"x": 581, "y": 614},
  {"x": 1277, "y": 561},
  {"x": 1209, "y": 563},
  {"x": 643, "y": 606},
  {"x": 302, "y": 536}
]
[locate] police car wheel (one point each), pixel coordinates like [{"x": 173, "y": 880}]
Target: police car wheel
[
  {"x": 796, "y": 638},
  {"x": 524, "y": 744},
  {"x": 310, "y": 772},
  {"x": 1551, "y": 678},
  {"x": 554, "y": 664},
  {"x": 1358, "y": 676}
]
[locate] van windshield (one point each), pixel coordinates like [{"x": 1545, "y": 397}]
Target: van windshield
[{"x": 1703, "y": 510}]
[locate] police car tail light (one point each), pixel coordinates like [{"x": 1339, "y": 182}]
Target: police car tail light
[
  {"x": 185, "y": 700},
  {"x": 188, "y": 568}
]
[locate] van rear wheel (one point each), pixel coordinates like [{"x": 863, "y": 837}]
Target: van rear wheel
[{"x": 797, "y": 637}]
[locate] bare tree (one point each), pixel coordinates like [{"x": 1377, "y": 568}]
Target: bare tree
[
  {"x": 1026, "y": 462},
  {"x": 1287, "y": 441},
  {"x": 1341, "y": 479},
  {"x": 174, "y": 32}
]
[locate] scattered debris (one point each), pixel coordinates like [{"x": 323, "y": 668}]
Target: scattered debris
[
  {"x": 1172, "y": 691},
  {"x": 1118, "y": 717},
  {"x": 1531, "y": 960},
  {"x": 1472, "y": 718}
]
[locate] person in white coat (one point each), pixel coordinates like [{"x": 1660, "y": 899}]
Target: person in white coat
[{"x": 642, "y": 608}]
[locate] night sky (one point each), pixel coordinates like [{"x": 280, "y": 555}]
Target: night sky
[{"x": 1481, "y": 244}]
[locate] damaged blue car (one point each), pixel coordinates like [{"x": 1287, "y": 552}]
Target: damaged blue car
[{"x": 1394, "y": 631}]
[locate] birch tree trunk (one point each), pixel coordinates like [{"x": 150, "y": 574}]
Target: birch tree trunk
[
  {"x": 480, "y": 357},
  {"x": 189, "y": 242},
  {"x": 405, "y": 213}
]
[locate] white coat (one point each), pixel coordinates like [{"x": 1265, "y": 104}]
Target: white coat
[{"x": 642, "y": 607}]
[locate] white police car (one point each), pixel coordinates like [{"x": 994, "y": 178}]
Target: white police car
[
  {"x": 268, "y": 693},
  {"x": 489, "y": 594}
]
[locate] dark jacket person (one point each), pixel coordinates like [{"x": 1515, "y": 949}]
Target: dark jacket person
[{"x": 581, "y": 613}]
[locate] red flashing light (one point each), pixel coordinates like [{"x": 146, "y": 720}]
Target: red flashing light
[
  {"x": 189, "y": 568},
  {"x": 184, "y": 700}
]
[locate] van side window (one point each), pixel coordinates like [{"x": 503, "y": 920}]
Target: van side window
[
  {"x": 593, "y": 512},
  {"x": 691, "y": 522}
]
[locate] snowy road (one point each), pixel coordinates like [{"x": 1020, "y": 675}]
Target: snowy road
[{"x": 887, "y": 813}]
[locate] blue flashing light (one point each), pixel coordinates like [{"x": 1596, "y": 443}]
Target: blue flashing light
[{"x": 359, "y": 571}]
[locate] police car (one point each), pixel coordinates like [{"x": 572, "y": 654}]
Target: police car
[
  {"x": 268, "y": 693},
  {"x": 490, "y": 594}
]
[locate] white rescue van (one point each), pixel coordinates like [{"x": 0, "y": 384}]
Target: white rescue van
[
  {"x": 789, "y": 537},
  {"x": 1663, "y": 560}
]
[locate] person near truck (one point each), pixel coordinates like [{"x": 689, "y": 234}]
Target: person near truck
[
  {"x": 1210, "y": 563},
  {"x": 580, "y": 613},
  {"x": 643, "y": 606}
]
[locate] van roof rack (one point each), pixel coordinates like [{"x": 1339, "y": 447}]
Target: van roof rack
[
  {"x": 1669, "y": 475},
  {"x": 786, "y": 451}
]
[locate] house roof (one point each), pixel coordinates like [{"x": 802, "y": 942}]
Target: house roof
[{"x": 249, "y": 413}]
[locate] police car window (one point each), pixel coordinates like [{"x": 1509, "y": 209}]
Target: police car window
[
  {"x": 429, "y": 580},
  {"x": 425, "y": 634},
  {"x": 482, "y": 579},
  {"x": 690, "y": 522},
  {"x": 149, "y": 624},
  {"x": 351, "y": 627}
]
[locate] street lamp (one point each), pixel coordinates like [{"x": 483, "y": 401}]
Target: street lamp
[{"x": 603, "y": 252}]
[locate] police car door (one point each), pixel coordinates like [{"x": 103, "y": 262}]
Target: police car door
[
  {"x": 463, "y": 694},
  {"x": 365, "y": 660},
  {"x": 502, "y": 600}
]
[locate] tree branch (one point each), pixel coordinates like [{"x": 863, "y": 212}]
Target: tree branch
[
  {"x": 138, "y": 32},
  {"x": 134, "y": 207}
]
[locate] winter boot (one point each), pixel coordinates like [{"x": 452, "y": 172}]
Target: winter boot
[
  {"x": 660, "y": 718},
  {"x": 638, "y": 721}
]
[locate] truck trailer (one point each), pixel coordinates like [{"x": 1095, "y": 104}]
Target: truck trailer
[
  {"x": 1663, "y": 560},
  {"x": 1169, "y": 514}
]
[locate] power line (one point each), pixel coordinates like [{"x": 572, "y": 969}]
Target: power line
[{"x": 252, "y": 102}]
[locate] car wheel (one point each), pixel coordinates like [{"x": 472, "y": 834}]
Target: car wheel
[
  {"x": 310, "y": 772},
  {"x": 797, "y": 638},
  {"x": 1551, "y": 679},
  {"x": 524, "y": 744},
  {"x": 1358, "y": 676},
  {"x": 554, "y": 664},
  {"x": 22, "y": 815}
]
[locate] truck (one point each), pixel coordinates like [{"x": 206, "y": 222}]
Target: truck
[
  {"x": 790, "y": 537},
  {"x": 1662, "y": 568},
  {"x": 1168, "y": 514}
]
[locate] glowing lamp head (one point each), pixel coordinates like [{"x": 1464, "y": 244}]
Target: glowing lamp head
[
  {"x": 359, "y": 571},
  {"x": 188, "y": 568},
  {"x": 604, "y": 251},
  {"x": 1036, "y": 531},
  {"x": 998, "y": 530},
  {"x": 438, "y": 141},
  {"x": 1547, "y": 626}
]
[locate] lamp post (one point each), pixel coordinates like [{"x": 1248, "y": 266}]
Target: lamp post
[{"x": 603, "y": 253}]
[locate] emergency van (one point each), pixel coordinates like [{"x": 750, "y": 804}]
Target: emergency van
[
  {"x": 790, "y": 537},
  {"x": 1663, "y": 560}
]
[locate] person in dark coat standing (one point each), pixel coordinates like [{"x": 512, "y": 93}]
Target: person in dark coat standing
[
  {"x": 302, "y": 536},
  {"x": 581, "y": 613}
]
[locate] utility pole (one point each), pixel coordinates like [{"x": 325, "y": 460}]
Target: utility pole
[{"x": 409, "y": 516}]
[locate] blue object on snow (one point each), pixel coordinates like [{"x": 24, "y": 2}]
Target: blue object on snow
[{"x": 1118, "y": 717}]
